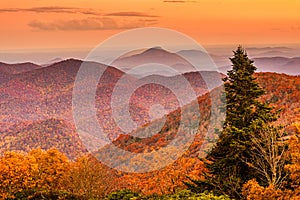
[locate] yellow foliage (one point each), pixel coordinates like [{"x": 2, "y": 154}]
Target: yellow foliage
[
  {"x": 38, "y": 170},
  {"x": 15, "y": 174},
  {"x": 51, "y": 172},
  {"x": 52, "y": 169}
]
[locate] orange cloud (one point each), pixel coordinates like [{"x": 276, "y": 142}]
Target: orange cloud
[
  {"x": 52, "y": 9},
  {"x": 130, "y": 14},
  {"x": 103, "y": 23}
]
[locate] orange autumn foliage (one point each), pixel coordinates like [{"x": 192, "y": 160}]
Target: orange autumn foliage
[
  {"x": 39, "y": 170},
  {"x": 294, "y": 152},
  {"x": 50, "y": 172},
  {"x": 253, "y": 191},
  {"x": 16, "y": 174},
  {"x": 167, "y": 180},
  {"x": 52, "y": 169},
  {"x": 89, "y": 178}
]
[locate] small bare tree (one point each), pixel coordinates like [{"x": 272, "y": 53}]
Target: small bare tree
[{"x": 268, "y": 154}]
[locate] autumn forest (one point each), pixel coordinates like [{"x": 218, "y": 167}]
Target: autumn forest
[{"x": 252, "y": 119}]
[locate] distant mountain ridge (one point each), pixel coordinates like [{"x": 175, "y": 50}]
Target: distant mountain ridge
[
  {"x": 267, "y": 59},
  {"x": 17, "y": 68},
  {"x": 289, "y": 66},
  {"x": 34, "y": 94}
]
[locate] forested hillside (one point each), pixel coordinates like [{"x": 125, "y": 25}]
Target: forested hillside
[{"x": 43, "y": 154}]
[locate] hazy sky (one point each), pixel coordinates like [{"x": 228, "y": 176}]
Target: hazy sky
[{"x": 40, "y": 24}]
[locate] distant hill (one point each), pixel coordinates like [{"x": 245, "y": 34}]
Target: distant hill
[
  {"x": 268, "y": 59},
  {"x": 8, "y": 70},
  {"x": 282, "y": 51},
  {"x": 17, "y": 68},
  {"x": 52, "y": 61},
  {"x": 43, "y": 134},
  {"x": 283, "y": 92},
  {"x": 42, "y": 93},
  {"x": 193, "y": 124},
  {"x": 157, "y": 55},
  {"x": 289, "y": 66}
]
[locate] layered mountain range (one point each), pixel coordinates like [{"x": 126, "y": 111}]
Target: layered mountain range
[{"x": 37, "y": 101}]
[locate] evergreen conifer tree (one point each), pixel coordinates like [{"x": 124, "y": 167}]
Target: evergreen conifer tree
[{"x": 228, "y": 161}]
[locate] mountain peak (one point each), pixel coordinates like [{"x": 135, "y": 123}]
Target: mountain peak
[{"x": 155, "y": 49}]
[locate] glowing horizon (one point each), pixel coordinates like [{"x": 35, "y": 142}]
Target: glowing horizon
[{"x": 83, "y": 24}]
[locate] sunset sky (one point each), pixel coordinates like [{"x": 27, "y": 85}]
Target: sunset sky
[{"x": 44, "y": 24}]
